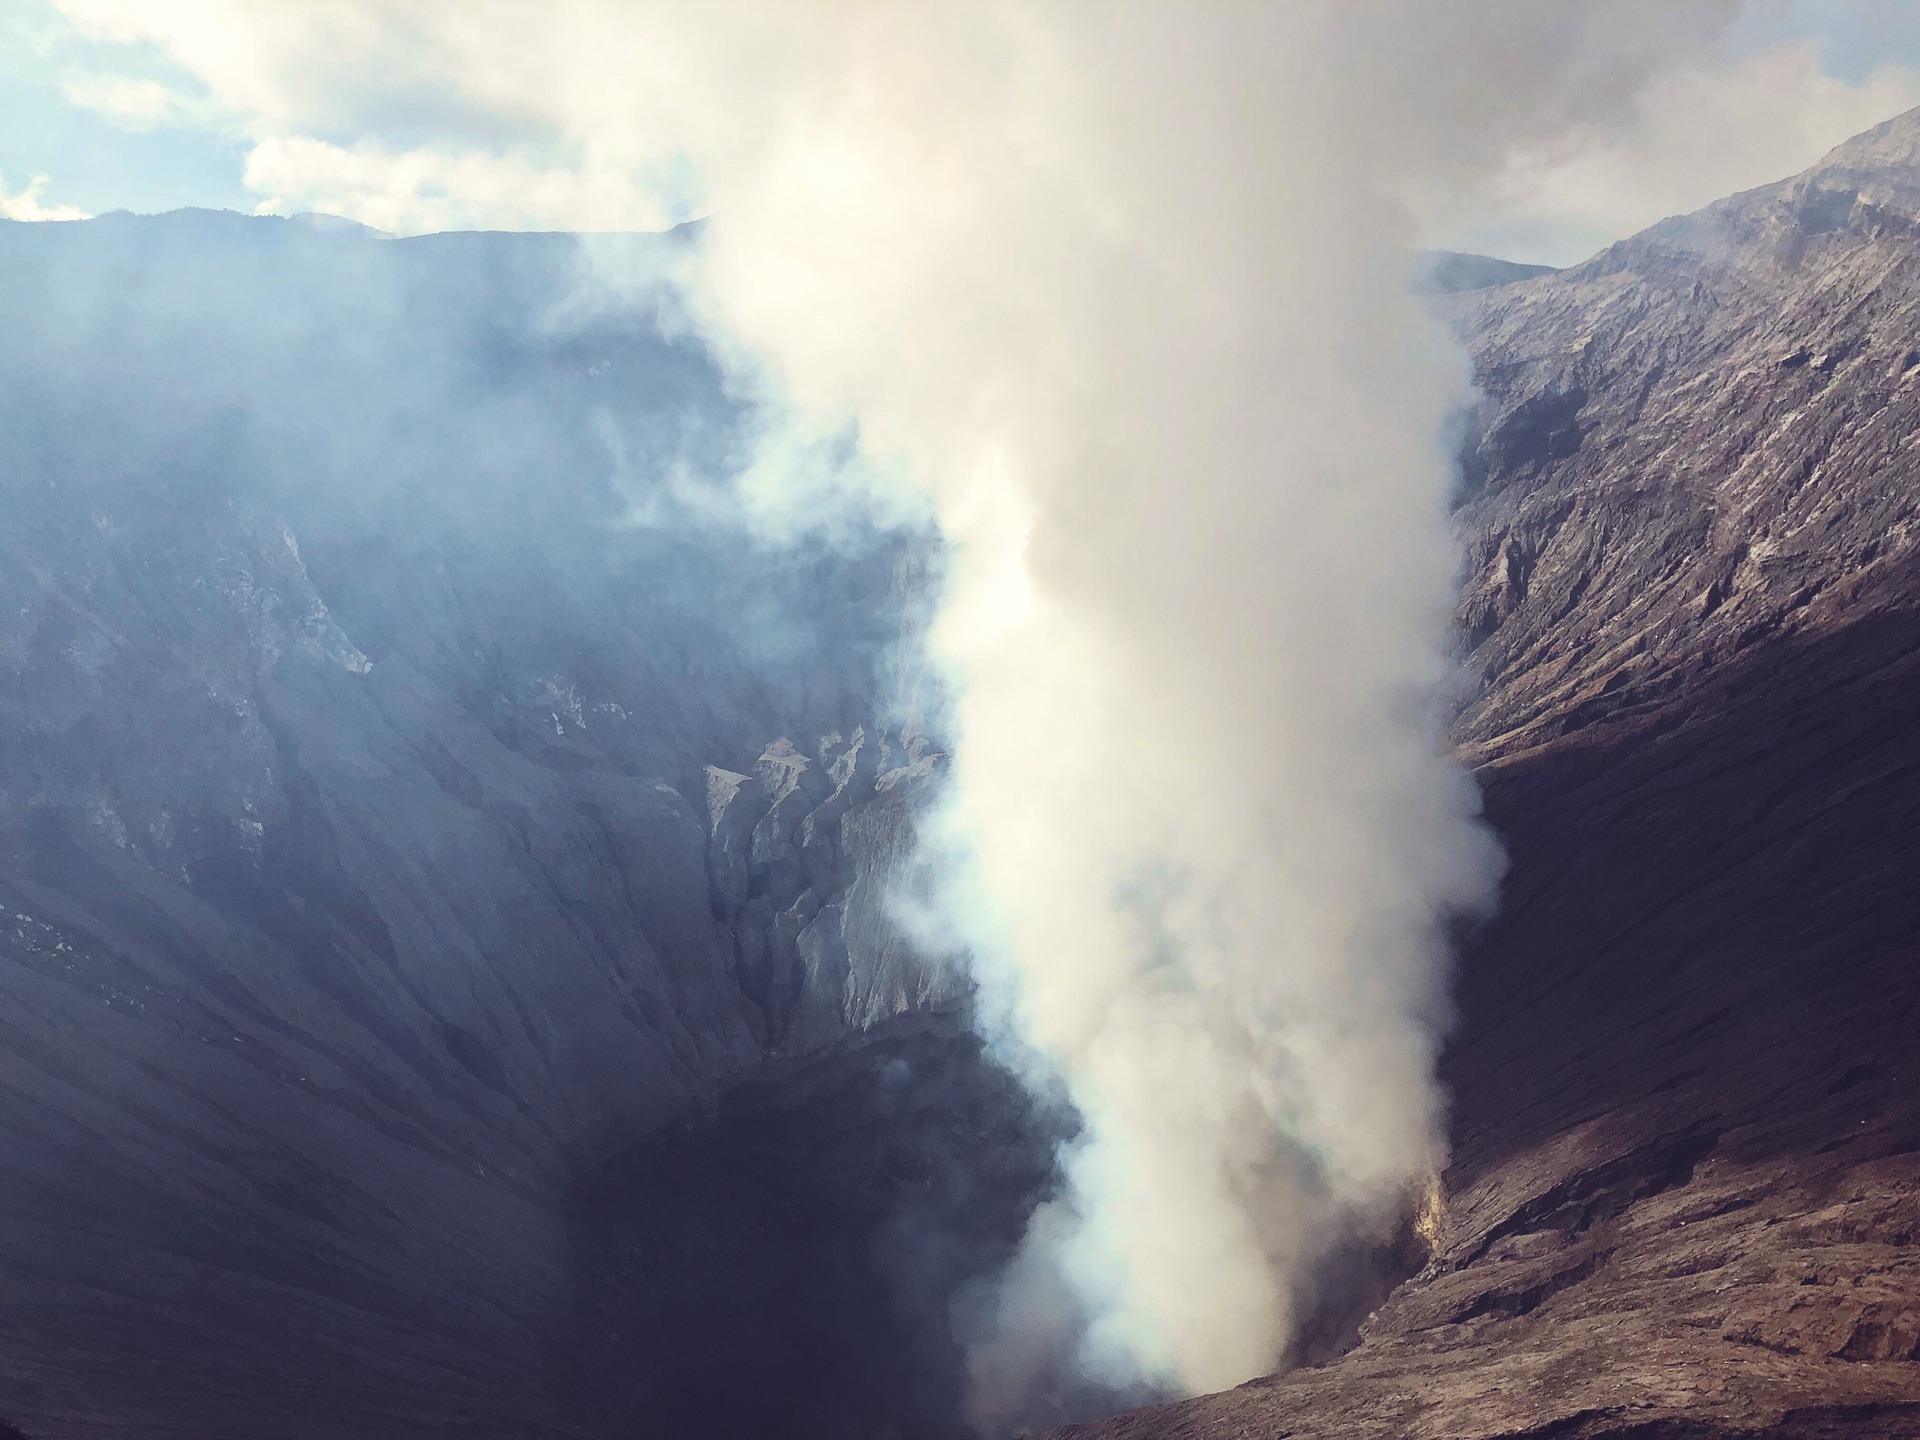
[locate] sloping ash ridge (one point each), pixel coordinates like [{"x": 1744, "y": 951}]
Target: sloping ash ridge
[{"x": 1685, "y": 1191}]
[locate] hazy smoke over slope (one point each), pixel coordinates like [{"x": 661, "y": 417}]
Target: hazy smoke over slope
[
  {"x": 1121, "y": 288},
  {"x": 1125, "y": 288}
]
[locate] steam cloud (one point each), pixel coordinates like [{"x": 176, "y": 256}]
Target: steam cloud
[
  {"x": 1126, "y": 289},
  {"x": 1120, "y": 289},
  {"x": 1201, "y": 823}
]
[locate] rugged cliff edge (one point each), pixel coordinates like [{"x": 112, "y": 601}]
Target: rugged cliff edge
[{"x": 1685, "y": 1192}]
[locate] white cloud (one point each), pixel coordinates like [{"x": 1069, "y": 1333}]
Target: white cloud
[
  {"x": 248, "y": 54},
  {"x": 1692, "y": 135},
  {"x": 30, "y": 203},
  {"x": 413, "y": 191},
  {"x": 137, "y": 102},
  {"x": 411, "y": 118}
]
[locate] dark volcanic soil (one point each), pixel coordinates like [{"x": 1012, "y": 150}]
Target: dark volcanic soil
[{"x": 1685, "y": 1194}]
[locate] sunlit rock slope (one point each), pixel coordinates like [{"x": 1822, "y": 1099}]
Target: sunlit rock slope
[{"x": 1685, "y": 1194}]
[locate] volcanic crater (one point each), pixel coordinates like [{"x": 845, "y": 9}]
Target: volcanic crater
[{"x": 446, "y": 989}]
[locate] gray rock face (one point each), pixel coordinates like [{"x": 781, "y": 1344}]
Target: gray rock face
[
  {"x": 1695, "y": 443},
  {"x": 413, "y": 806},
  {"x": 1686, "y": 1176}
]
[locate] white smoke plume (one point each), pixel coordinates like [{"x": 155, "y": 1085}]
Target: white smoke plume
[
  {"x": 1120, "y": 288},
  {"x": 1124, "y": 286}
]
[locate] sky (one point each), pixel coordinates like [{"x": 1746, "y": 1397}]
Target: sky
[{"x": 107, "y": 105}]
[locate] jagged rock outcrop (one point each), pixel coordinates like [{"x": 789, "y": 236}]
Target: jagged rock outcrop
[
  {"x": 1685, "y": 1190},
  {"x": 405, "y": 833}
]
